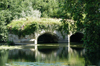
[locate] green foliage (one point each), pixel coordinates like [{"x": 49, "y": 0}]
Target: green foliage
[
  {"x": 85, "y": 13},
  {"x": 15, "y": 9},
  {"x": 92, "y": 25},
  {"x": 48, "y": 8},
  {"x": 68, "y": 26},
  {"x": 10, "y": 43},
  {"x": 3, "y": 28},
  {"x": 26, "y": 26}
]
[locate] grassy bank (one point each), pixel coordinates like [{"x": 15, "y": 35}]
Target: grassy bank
[{"x": 9, "y": 47}]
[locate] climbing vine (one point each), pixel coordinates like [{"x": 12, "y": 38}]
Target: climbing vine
[
  {"x": 92, "y": 25},
  {"x": 86, "y": 14},
  {"x": 27, "y": 26}
]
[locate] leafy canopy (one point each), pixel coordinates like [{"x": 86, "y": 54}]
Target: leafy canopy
[{"x": 86, "y": 14}]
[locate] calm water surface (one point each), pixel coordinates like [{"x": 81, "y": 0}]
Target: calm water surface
[{"x": 49, "y": 55}]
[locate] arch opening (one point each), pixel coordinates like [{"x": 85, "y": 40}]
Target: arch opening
[
  {"x": 47, "y": 38},
  {"x": 77, "y": 37}
]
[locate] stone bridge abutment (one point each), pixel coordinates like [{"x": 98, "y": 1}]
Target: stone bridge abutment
[{"x": 42, "y": 36}]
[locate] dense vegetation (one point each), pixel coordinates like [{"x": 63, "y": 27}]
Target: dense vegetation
[
  {"x": 26, "y": 26},
  {"x": 3, "y": 28},
  {"x": 85, "y": 13},
  {"x": 15, "y": 9}
]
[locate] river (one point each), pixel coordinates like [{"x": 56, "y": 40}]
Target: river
[{"x": 65, "y": 54}]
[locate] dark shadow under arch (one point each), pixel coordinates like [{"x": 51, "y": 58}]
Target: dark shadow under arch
[
  {"x": 47, "y": 38},
  {"x": 47, "y": 49},
  {"x": 77, "y": 37}
]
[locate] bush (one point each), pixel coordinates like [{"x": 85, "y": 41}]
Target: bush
[
  {"x": 26, "y": 26},
  {"x": 3, "y": 28},
  {"x": 10, "y": 43}
]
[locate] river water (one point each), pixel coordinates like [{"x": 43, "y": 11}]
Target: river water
[{"x": 49, "y": 55}]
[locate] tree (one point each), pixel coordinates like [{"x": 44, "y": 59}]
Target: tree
[
  {"x": 92, "y": 25},
  {"x": 3, "y": 28},
  {"x": 85, "y": 14}
]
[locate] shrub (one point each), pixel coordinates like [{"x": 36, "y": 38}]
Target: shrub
[{"x": 26, "y": 26}]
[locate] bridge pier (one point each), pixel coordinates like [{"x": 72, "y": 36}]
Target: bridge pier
[
  {"x": 33, "y": 38},
  {"x": 69, "y": 35},
  {"x": 36, "y": 36},
  {"x": 35, "y": 42},
  {"x": 68, "y": 38}
]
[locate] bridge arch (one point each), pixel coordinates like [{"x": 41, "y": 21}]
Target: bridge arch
[
  {"x": 76, "y": 37},
  {"x": 54, "y": 35},
  {"x": 47, "y": 37}
]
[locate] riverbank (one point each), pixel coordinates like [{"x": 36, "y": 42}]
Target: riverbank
[
  {"x": 5, "y": 46},
  {"x": 10, "y": 47},
  {"x": 33, "y": 46}
]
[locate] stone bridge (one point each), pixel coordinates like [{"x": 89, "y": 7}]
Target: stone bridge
[
  {"x": 43, "y": 36},
  {"x": 48, "y": 35}
]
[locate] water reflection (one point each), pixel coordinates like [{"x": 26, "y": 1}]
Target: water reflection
[
  {"x": 47, "y": 49},
  {"x": 92, "y": 58},
  {"x": 60, "y": 55},
  {"x": 76, "y": 57},
  {"x": 22, "y": 55},
  {"x": 3, "y": 57},
  {"x": 57, "y": 54}
]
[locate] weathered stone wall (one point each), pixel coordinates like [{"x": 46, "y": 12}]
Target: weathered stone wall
[
  {"x": 33, "y": 37},
  {"x": 21, "y": 40}
]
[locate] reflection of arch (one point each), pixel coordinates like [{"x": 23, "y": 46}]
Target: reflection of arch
[
  {"x": 47, "y": 38},
  {"x": 47, "y": 49},
  {"x": 77, "y": 37}
]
